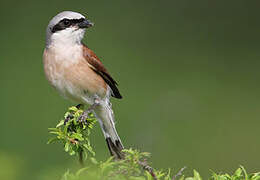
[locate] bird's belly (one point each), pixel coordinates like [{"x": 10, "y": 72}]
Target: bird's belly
[{"x": 75, "y": 81}]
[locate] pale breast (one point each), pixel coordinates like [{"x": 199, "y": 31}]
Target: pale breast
[{"x": 72, "y": 77}]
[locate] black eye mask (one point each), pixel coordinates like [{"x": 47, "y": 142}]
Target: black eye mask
[{"x": 65, "y": 23}]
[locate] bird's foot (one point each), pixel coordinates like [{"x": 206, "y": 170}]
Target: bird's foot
[
  {"x": 84, "y": 116},
  {"x": 71, "y": 116}
]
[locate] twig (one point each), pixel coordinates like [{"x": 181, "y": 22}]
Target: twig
[
  {"x": 81, "y": 162},
  {"x": 179, "y": 173},
  {"x": 148, "y": 169}
]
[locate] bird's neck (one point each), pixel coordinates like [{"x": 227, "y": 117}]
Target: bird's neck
[
  {"x": 66, "y": 53},
  {"x": 65, "y": 42}
]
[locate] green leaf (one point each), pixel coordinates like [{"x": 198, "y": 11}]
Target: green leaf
[
  {"x": 55, "y": 132},
  {"x": 73, "y": 108},
  {"x": 67, "y": 147},
  {"x": 52, "y": 140},
  {"x": 66, "y": 175},
  {"x": 244, "y": 171},
  {"x": 93, "y": 160},
  {"x": 72, "y": 152},
  {"x": 255, "y": 176},
  {"x": 81, "y": 170},
  {"x": 52, "y": 129},
  {"x": 89, "y": 148},
  {"x": 61, "y": 123},
  {"x": 196, "y": 175},
  {"x": 77, "y": 136}
]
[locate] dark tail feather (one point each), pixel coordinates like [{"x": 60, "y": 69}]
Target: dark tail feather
[
  {"x": 115, "y": 148},
  {"x": 105, "y": 116}
]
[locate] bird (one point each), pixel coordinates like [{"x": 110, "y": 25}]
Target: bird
[{"x": 76, "y": 72}]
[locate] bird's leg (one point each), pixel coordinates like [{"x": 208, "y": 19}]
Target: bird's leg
[{"x": 84, "y": 115}]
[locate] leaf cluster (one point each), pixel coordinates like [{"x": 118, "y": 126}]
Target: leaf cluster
[
  {"x": 131, "y": 168},
  {"x": 239, "y": 174},
  {"x": 74, "y": 134},
  {"x": 109, "y": 170}
]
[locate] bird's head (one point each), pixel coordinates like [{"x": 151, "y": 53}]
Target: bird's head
[{"x": 67, "y": 27}]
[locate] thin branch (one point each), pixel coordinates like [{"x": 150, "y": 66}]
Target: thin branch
[
  {"x": 148, "y": 168},
  {"x": 81, "y": 162},
  {"x": 179, "y": 173}
]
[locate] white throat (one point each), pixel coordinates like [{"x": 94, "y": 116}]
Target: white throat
[
  {"x": 67, "y": 37},
  {"x": 66, "y": 46}
]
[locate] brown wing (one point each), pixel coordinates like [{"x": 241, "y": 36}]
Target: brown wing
[{"x": 99, "y": 68}]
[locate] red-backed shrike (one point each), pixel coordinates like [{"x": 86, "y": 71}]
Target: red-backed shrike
[{"x": 78, "y": 74}]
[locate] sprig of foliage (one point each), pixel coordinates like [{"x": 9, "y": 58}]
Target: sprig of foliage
[
  {"x": 128, "y": 169},
  {"x": 240, "y": 174},
  {"x": 111, "y": 173},
  {"x": 74, "y": 135}
]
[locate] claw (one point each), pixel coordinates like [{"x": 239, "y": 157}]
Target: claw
[{"x": 83, "y": 117}]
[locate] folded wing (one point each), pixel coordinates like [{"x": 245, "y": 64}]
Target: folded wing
[{"x": 97, "y": 66}]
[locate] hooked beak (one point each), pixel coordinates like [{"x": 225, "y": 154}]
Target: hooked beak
[{"x": 85, "y": 24}]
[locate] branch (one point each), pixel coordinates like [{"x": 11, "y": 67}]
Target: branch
[
  {"x": 179, "y": 173},
  {"x": 148, "y": 168}
]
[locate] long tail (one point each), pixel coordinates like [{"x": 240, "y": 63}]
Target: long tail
[{"x": 105, "y": 116}]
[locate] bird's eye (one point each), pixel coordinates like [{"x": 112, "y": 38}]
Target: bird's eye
[{"x": 66, "y": 22}]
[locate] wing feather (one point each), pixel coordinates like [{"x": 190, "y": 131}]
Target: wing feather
[{"x": 96, "y": 65}]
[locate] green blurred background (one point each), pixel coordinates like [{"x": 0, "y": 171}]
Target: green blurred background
[{"x": 188, "y": 71}]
